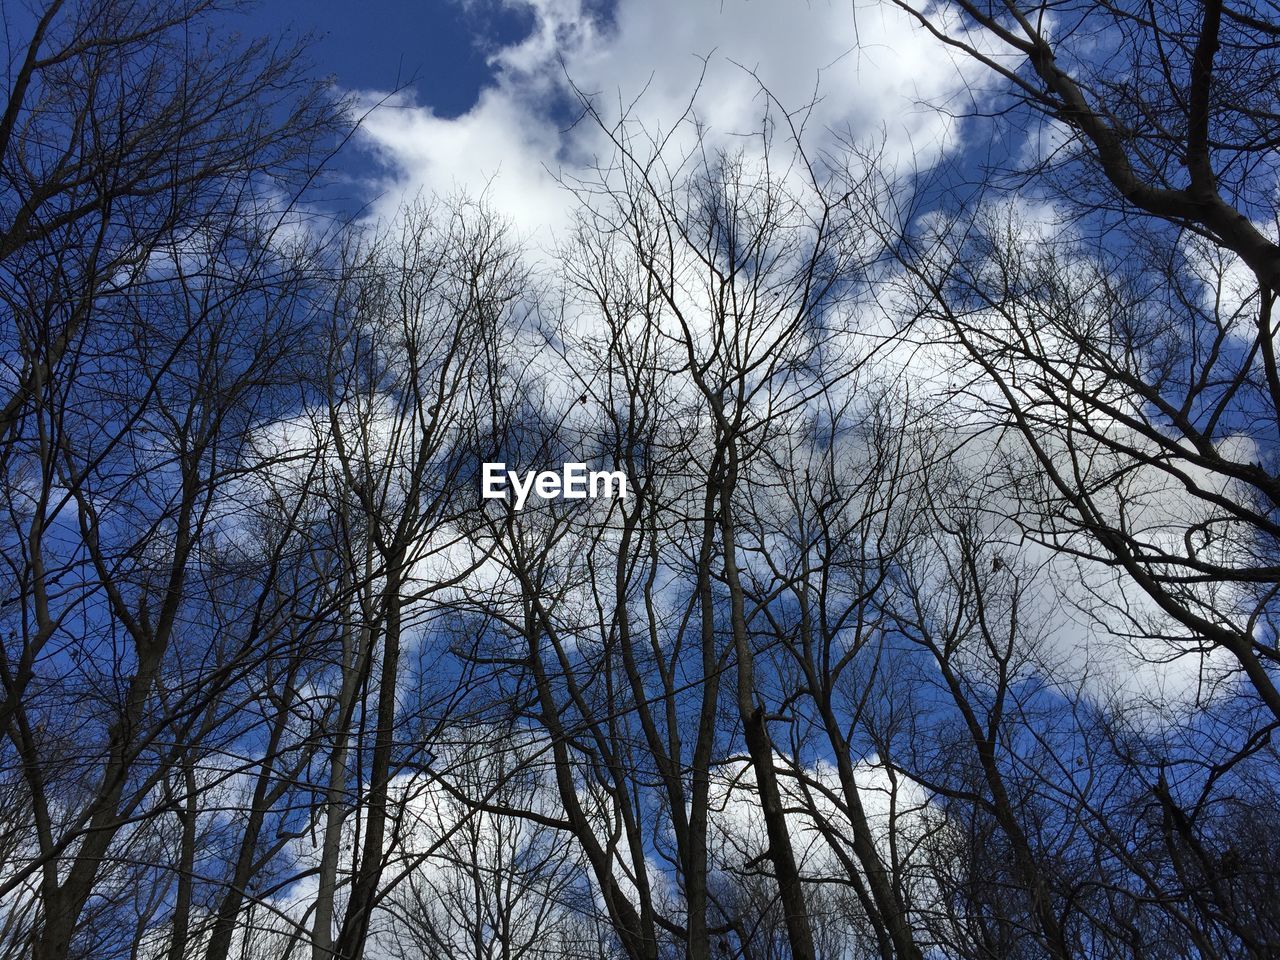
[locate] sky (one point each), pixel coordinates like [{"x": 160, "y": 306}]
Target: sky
[
  {"x": 438, "y": 48},
  {"x": 479, "y": 98},
  {"x": 484, "y": 93}
]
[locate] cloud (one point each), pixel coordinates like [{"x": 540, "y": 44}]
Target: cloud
[
  {"x": 873, "y": 74},
  {"x": 1096, "y": 624}
]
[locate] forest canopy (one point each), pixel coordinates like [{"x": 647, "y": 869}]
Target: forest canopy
[{"x": 928, "y": 607}]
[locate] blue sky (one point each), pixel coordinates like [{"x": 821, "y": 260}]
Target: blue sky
[
  {"x": 488, "y": 111},
  {"x": 439, "y": 45},
  {"x": 486, "y": 115},
  {"x": 485, "y": 85}
]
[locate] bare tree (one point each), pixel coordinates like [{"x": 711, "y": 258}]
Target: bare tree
[
  {"x": 125, "y": 125},
  {"x": 139, "y": 442},
  {"x": 416, "y": 344},
  {"x": 497, "y": 887},
  {"x": 136, "y": 240},
  {"x": 705, "y": 286},
  {"x": 279, "y": 681},
  {"x": 1164, "y": 375}
]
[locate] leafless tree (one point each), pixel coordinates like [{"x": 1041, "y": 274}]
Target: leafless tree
[
  {"x": 1135, "y": 348},
  {"x": 150, "y": 301},
  {"x": 420, "y": 320},
  {"x": 922, "y": 506}
]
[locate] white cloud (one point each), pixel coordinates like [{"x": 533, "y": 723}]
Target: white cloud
[{"x": 871, "y": 69}]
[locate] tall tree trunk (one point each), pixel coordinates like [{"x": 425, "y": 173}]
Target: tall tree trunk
[
  {"x": 181, "y": 923},
  {"x": 355, "y": 663},
  {"x": 364, "y": 888},
  {"x": 756, "y": 734}
]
